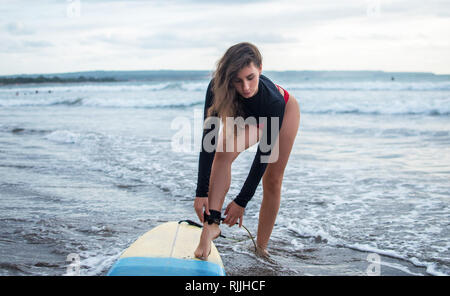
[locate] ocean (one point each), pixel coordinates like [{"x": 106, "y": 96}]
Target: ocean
[{"x": 86, "y": 168}]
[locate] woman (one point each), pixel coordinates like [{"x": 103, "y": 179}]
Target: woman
[{"x": 238, "y": 89}]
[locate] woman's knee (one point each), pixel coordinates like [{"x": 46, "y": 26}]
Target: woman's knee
[
  {"x": 272, "y": 182},
  {"x": 225, "y": 157}
]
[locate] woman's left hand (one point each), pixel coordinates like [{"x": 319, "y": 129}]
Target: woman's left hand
[{"x": 233, "y": 213}]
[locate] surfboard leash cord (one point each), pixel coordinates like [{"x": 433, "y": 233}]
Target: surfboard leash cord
[{"x": 190, "y": 222}]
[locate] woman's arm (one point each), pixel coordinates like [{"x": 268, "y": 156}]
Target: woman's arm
[
  {"x": 269, "y": 137},
  {"x": 206, "y": 157}
]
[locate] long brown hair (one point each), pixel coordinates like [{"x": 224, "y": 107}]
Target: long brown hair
[{"x": 237, "y": 57}]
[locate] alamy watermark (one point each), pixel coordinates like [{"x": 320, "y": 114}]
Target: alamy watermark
[
  {"x": 73, "y": 8},
  {"x": 234, "y": 134},
  {"x": 374, "y": 268},
  {"x": 373, "y": 8},
  {"x": 73, "y": 268}
]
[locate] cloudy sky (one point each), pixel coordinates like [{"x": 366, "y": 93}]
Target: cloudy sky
[{"x": 53, "y": 36}]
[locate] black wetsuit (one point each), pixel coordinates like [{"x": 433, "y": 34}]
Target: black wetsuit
[{"x": 267, "y": 102}]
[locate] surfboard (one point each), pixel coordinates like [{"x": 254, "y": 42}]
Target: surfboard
[{"x": 167, "y": 250}]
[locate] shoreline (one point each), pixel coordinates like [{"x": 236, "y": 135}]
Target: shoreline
[{"x": 322, "y": 260}]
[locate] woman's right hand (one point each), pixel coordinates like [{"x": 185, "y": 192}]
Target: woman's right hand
[{"x": 201, "y": 203}]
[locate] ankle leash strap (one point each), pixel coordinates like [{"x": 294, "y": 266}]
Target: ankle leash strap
[{"x": 214, "y": 217}]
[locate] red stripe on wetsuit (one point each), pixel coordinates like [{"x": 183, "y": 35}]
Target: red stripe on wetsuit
[{"x": 286, "y": 94}]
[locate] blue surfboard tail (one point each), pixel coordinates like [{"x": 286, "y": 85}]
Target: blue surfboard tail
[{"x": 148, "y": 266}]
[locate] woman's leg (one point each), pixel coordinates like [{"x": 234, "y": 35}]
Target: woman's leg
[
  {"x": 220, "y": 180},
  {"x": 219, "y": 183},
  {"x": 273, "y": 176}
]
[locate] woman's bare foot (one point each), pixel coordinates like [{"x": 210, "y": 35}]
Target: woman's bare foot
[
  {"x": 209, "y": 233},
  {"x": 262, "y": 252}
]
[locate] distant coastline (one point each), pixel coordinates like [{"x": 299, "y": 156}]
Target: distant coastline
[
  {"x": 53, "y": 79},
  {"x": 202, "y": 75},
  {"x": 104, "y": 76}
]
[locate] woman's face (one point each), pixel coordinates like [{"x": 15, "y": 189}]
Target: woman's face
[{"x": 246, "y": 81}]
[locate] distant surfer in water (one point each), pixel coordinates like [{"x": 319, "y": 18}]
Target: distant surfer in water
[{"x": 251, "y": 109}]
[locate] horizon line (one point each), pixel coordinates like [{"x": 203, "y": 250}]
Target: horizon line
[{"x": 197, "y": 70}]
